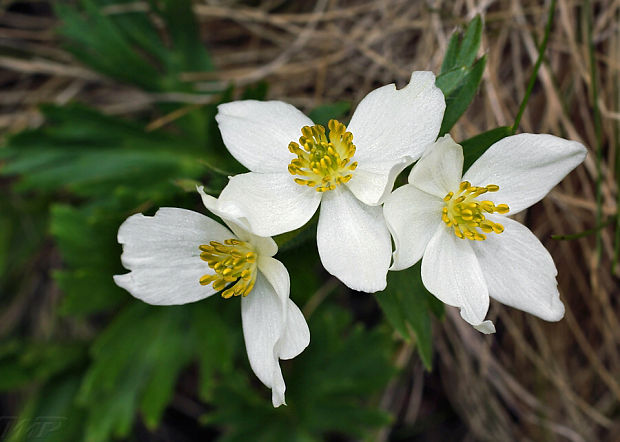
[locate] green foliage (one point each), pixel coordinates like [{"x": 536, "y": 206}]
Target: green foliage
[
  {"x": 128, "y": 46},
  {"x": 93, "y": 155},
  {"x": 24, "y": 362},
  {"x": 322, "y": 114},
  {"x": 407, "y": 304},
  {"x": 49, "y": 414},
  {"x": 86, "y": 239},
  {"x": 22, "y": 229},
  {"x": 137, "y": 360},
  {"x": 475, "y": 146},
  {"x": 461, "y": 73},
  {"x": 328, "y": 387}
]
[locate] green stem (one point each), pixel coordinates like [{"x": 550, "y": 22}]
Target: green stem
[
  {"x": 588, "y": 232},
  {"x": 541, "y": 54},
  {"x": 597, "y": 130}
]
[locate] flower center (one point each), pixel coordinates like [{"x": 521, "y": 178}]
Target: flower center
[
  {"x": 323, "y": 162},
  {"x": 232, "y": 261},
  {"x": 465, "y": 213}
]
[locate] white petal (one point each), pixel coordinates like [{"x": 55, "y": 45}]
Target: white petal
[
  {"x": 412, "y": 216},
  {"x": 525, "y": 167},
  {"x": 296, "y": 335},
  {"x": 372, "y": 182},
  {"x": 276, "y": 274},
  {"x": 265, "y": 246},
  {"x": 451, "y": 272},
  {"x": 353, "y": 240},
  {"x": 391, "y": 124},
  {"x": 162, "y": 253},
  {"x": 257, "y": 133},
  {"x": 519, "y": 270},
  {"x": 270, "y": 203},
  {"x": 263, "y": 324},
  {"x": 439, "y": 170}
]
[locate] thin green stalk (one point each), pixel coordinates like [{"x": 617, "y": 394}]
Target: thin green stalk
[
  {"x": 588, "y": 232},
  {"x": 541, "y": 54},
  {"x": 597, "y": 129}
]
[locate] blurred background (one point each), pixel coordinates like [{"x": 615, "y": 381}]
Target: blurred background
[{"x": 107, "y": 109}]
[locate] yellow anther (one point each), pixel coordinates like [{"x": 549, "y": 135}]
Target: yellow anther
[
  {"x": 465, "y": 214},
  {"x": 325, "y": 161},
  {"x": 234, "y": 264},
  {"x": 502, "y": 208}
]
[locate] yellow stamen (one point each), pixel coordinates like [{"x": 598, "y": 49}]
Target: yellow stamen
[
  {"x": 323, "y": 161},
  {"x": 465, "y": 214},
  {"x": 234, "y": 261}
]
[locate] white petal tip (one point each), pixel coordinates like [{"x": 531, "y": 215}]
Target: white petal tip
[
  {"x": 555, "y": 313},
  {"x": 368, "y": 287},
  {"x": 485, "y": 327},
  {"x": 277, "y": 399},
  {"x": 121, "y": 280}
]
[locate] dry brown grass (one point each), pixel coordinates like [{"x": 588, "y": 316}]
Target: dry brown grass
[{"x": 532, "y": 380}]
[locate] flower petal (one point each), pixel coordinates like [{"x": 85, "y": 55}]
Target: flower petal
[
  {"x": 392, "y": 124},
  {"x": 270, "y": 203},
  {"x": 265, "y": 246},
  {"x": 162, "y": 253},
  {"x": 353, "y": 240},
  {"x": 296, "y": 335},
  {"x": 525, "y": 167},
  {"x": 263, "y": 323},
  {"x": 412, "y": 216},
  {"x": 257, "y": 133},
  {"x": 519, "y": 270},
  {"x": 451, "y": 272},
  {"x": 276, "y": 274},
  {"x": 439, "y": 171},
  {"x": 372, "y": 182}
]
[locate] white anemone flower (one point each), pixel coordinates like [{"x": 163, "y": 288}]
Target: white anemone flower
[
  {"x": 179, "y": 256},
  {"x": 296, "y": 165},
  {"x": 457, "y": 224}
]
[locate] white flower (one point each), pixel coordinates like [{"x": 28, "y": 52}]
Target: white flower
[
  {"x": 180, "y": 256},
  {"x": 348, "y": 171},
  {"x": 470, "y": 250}
]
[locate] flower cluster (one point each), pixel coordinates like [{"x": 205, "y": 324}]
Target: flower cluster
[{"x": 456, "y": 223}]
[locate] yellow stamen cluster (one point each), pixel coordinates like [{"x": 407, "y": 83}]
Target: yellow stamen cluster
[
  {"x": 232, "y": 261},
  {"x": 323, "y": 162},
  {"x": 465, "y": 214}
]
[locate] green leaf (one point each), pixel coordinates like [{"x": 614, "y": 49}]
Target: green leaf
[
  {"x": 463, "y": 46},
  {"x": 407, "y": 304},
  {"x": 328, "y": 388},
  {"x": 93, "y": 155},
  {"x": 49, "y": 414},
  {"x": 459, "y": 97},
  {"x": 25, "y": 362},
  {"x": 87, "y": 242},
  {"x": 460, "y": 72},
  {"x": 470, "y": 43},
  {"x": 128, "y": 47},
  {"x": 475, "y": 146},
  {"x": 139, "y": 356},
  {"x": 322, "y": 114}
]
